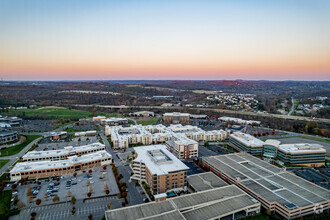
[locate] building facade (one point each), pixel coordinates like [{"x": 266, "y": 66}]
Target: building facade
[
  {"x": 312, "y": 155},
  {"x": 176, "y": 118},
  {"x": 47, "y": 168},
  {"x": 159, "y": 168},
  {"x": 247, "y": 143},
  {"x": 7, "y": 136}
]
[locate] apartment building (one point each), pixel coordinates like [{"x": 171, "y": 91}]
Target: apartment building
[
  {"x": 122, "y": 137},
  {"x": 159, "y": 168},
  {"x": 183, "y": 147},
  {"x": 63, "y": 153},
  {"x": 246, "y": 142},
  {"x": 312, "y": 155},
  {"x": 176, "y": 117},
  {"x": 48, "y": 168}
]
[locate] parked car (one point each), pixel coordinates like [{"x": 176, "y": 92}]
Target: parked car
[{"x": 74, "y": 183}]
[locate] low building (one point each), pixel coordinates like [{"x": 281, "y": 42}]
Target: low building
[
  {"x": 57, "y": 135},
  {"x": 228, "y": 202},
  {"x": 85, "y": 133},
  {"x": 7, "y": 136},
  {"x": 48, "y": 168},
  {"x": 159, "y": 168},
  {"x": 302, "y": 154},
  {"x": 13, "y": 121},
  {"x": 143, "y": 114},
  {"x": 236, "y": 128},
  {"x": 114, "y": 121},
  {"x": 4, "y": 125},
  {"x": 198, "y": 117},
  {"x": 63, "y": 153},
  {"x": 276, "y": 189},
  {"x": 98, "y": 118},
  {"x": 176, "y": 118},
  {"x": 238, "y": 121},
  {"x": 247, "y": 143}
]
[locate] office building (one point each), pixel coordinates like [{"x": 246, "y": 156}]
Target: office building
[
  {"x": 302, "y": 154},
  {"x": 270, "y": 148},
  {"x": 63, "y": 153},
  {"x": 238, "y": 121},
  {"x": 114, "y": 121},
  {"x": 7, "y": 136},
  {"x": 48, "y": 168},
  {"x": 276, "y": 189},
  {"x": 159, "y": 168},
  {"x": 143, "y": 114},
  {"x": 247, "y": 143},
  {"x": 12, "y": 121}
]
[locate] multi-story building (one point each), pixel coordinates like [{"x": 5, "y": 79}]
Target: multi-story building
[
  {"x": 238, "y": 121},
  {"x": 98, "y": 118},
  {"x": 176, "y": 117},
  {"x": 159, "y": 168},
  {"x": 13, "y": 121},
  {"x": 302, "y": 154},
  {"x": 270, "y": 148},
  {"x": 48, "y": 168},
  {"x": 7, "y": 136},
  {"x": 183, "y": 147},
  {"x": 246, "y": 142},
  {"x": 63, "y": 153},
  {"x": 122, "y": 137}
]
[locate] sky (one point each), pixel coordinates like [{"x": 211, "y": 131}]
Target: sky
[{"x": 165, "y": 39}]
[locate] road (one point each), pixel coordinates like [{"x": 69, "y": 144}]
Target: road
[
  {"x": 292, "y": 107},
  {"x": 13, "y": 158},
  {"x": 133, "y": 196},
  {"x": 223, "y": 111}
]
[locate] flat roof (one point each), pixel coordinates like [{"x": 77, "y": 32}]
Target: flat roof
[
  {"x": 65, "y": 151},
  {"x": 247, "y": 139},
  {"x": 302, "y": 148},
  {"x": 209, "y": 204},
  {"x": 7, "y": 132},
  {"x": 154, "y": 163},
  {"x": 176, "y": 114},
  {"x": 47, "y": 164},
  {"x": 205, "y": 181},
  {"x": 271, "y": 183}
]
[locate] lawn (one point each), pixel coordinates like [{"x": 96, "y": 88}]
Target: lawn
[
  {"x": 5, "y": 197},
  {"x": 50, "y": 113},
  {"x": 16, "y": 149},
  {"x": 3, "y": 162},
  {"x": 317, "y": 139},
  {"x": 147, "y": 121}
]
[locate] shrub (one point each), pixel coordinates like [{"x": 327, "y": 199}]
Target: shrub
[
  {"x": 89, "y": 194},
  {"x": 38, "y": 201}
]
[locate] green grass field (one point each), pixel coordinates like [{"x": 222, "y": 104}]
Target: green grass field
[
  {"x": 16, "y": 149},
  {"x": 317, "y": 139},
  {"x": 50, "y": 113},
  {"x": 5, "y": 197},
  {"x": 3, "y": 162},
  {"x": 147, "y": 121}
]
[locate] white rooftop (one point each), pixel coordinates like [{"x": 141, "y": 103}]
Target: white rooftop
[
  {"x": 302, "y": 148},
  {"x": 158, "y": 159},
  {"x": 247, "y": 139},
  {"x": 272, "y": 142},
  {"x": 65, "y": 151},
  {"x": 47, "y": 164},
  {"x": 176, "y": 114}
]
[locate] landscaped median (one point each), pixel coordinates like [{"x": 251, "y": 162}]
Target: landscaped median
[
  {"x": 16, "y": 149},
  {"x": 3, "y": 162}
]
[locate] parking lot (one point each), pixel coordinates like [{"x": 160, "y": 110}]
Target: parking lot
[
  {"x": 55, "y": 145},
  {"x": 79, "y": 187},
  {"x": 36, "y": 126},
  {"x": 312, "y": 175}
]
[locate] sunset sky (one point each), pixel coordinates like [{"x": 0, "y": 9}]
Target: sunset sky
[{"x": 170, "y": 39}]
